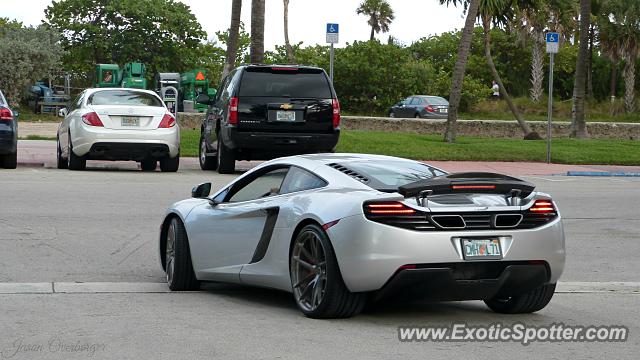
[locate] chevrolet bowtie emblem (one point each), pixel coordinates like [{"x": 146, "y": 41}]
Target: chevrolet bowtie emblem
[{"x": 286, "y": 106}]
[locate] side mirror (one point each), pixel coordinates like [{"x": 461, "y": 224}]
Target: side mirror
[
  {"x": 201, "y": 191},
  {"x": 203, "y": 99},
  {"x": 16, "y": 113},
  {"x": 63, "y": 112}
]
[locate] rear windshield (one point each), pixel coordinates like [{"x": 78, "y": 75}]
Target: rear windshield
[
  {"x": 123, "y": 97},
  {"x": 437, "y": 101},
  {"x": 307, "y": 83},
  {"x": 388, "y": 175}
]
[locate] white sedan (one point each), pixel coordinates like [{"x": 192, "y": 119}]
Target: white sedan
[{"x": 119, "y": 124}]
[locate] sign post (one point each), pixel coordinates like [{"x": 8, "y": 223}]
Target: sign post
[
  {"x": 552, "y": 49},
  {"x": 332, "y": 38}
]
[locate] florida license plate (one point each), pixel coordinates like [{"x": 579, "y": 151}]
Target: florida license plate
[
  {"x": 130, "y": 121},
  {"x": 286, "y": 116},
  {"x": 481, "y": 249}
]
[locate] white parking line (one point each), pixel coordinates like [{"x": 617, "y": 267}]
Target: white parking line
[{"x": 611, "y": 287}]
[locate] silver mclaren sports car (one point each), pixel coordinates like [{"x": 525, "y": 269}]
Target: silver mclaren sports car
[{"x": 341, "y": 230}]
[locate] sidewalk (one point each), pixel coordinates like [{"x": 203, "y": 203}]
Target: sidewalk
[{"x": 39, "y": 153}]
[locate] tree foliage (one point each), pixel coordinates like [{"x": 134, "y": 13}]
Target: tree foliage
[
  {"x": 28, "y": 54},
  {"x": 163, "y": 34},
  {"x": 380, "y": 15}
]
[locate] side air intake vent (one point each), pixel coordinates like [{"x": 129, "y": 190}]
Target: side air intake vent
[{"x": 349, "y": 172}]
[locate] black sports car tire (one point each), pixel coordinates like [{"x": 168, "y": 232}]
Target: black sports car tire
[
  {"x": 178, "y": 266},
  {"x": 532, "y": 301}
]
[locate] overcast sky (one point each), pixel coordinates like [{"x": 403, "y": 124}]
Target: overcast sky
[{"x": 307, "y": 18}]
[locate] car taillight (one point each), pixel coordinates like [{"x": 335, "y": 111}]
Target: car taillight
[
  {"x": 543, "y": 206},
  {"x": 167, "y": 121},
  {"x": 92, "y": 119},
  {"x": 5, "y": 114},
  {"x": 233, "y": 111},
  {"x": 429, "y": 108},
  {"x": 388, "y": 208},
  {"x": 336, "y": 113}
]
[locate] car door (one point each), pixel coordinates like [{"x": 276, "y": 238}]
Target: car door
[
  {"x": 406, "y": 110},
  {"x": 224, "y": 237},
  {"x": 63, "y": 128},
  {"x": 214, "y": 112}
]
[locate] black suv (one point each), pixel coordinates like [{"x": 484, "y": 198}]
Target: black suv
[{"x": 261, "y": 112}]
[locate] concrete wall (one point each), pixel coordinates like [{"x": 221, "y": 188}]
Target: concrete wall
[{"x": 482, "y": 128}]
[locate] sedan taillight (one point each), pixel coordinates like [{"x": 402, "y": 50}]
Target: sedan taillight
[
  {"x": 168, "y": 121},
  {"x": 429, "y": 108},
  {"x": 5, "y": 114},
  {"x": 92, "y": 119}
]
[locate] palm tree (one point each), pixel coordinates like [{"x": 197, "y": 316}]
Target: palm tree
[
  {"x": 499, "y": 12},
  {"x": 578, "y": 123},
  {"x": 610, "y": 46},
  {"x": 620, "y": 37},
  {"x": 234, "y": 36},
  {"x": 461, "y": 64},
  {"x": 530, "y": 23},
  {"x": 287, "y": 44},
  {"x": 380, "y": 15},
  {"x": 256, "y": 52}
]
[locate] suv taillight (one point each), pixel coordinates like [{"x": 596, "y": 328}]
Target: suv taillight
[
  {"x": 543, "y": 206},
  {"x": 167, "y": 121},
  {"x": 336, "y": 113},
  {"x": 5, "y": 114},
  {"x": 92, "y": 119},
  {"x": 233, "y": 111}
]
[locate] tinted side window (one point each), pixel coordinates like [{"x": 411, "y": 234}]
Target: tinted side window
[
  {"x": 298, "y": 180},
  {"x": 286, "y": 83},
  {"x": 414, "y": 101},
  {"x": 265, "y": 185}
]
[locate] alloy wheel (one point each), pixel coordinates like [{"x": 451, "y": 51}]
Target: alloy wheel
[
  {"x": 170, "y": 252},
  {"x": 309, "y": 271}
]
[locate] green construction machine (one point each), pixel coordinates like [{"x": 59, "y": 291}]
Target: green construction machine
[
  {"x": 132, "y": 75},
  {"x": 192, "y": 84}
]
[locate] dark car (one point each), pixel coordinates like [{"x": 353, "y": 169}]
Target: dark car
[
  {"x": 261, "y": 112},
  {"x": 421, "y": 106},
  {"x": 8, "y": 135}
]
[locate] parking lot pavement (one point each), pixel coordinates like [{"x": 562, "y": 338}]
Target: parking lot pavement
[
  {"x": 233, "y": 322},
  {"x": 102, "y": 225},
  {"x": 59, "y": 229}
]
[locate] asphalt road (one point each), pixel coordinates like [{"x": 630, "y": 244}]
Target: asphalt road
[{"x": 102, "y": 226}]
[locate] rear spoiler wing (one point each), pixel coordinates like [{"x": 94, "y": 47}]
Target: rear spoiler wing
[{"x": 469, "y": 182}]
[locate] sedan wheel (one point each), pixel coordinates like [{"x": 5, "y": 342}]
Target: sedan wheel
[
  {"x": 316, "y": 281},
  {"x": 61, "y": 162},
  {"x": 392, "y": 114},
  {"x": 178, "y": 267},
  {"x": 75, "y": 162}
]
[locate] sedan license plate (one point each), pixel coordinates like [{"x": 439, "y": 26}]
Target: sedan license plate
[
  {"x": 481, "y": 249},
  {"x": 130, "y": 121},
  {"x": 286, "y": 116},
  {"x": 444, "y": 110}
]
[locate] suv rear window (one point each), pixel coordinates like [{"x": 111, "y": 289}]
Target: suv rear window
[
  {"x": 290, "y": 83},
  {"x": 123, "y": 97}
]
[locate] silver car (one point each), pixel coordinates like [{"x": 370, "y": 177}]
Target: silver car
[{"x": 338, "y": 230}]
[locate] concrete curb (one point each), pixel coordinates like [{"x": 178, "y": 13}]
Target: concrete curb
[{"x": 603, "y": 173}]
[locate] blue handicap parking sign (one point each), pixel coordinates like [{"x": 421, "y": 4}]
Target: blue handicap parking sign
[
  {"x": 332, "y": 28},
  {"x": 552, "y": 37}
]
